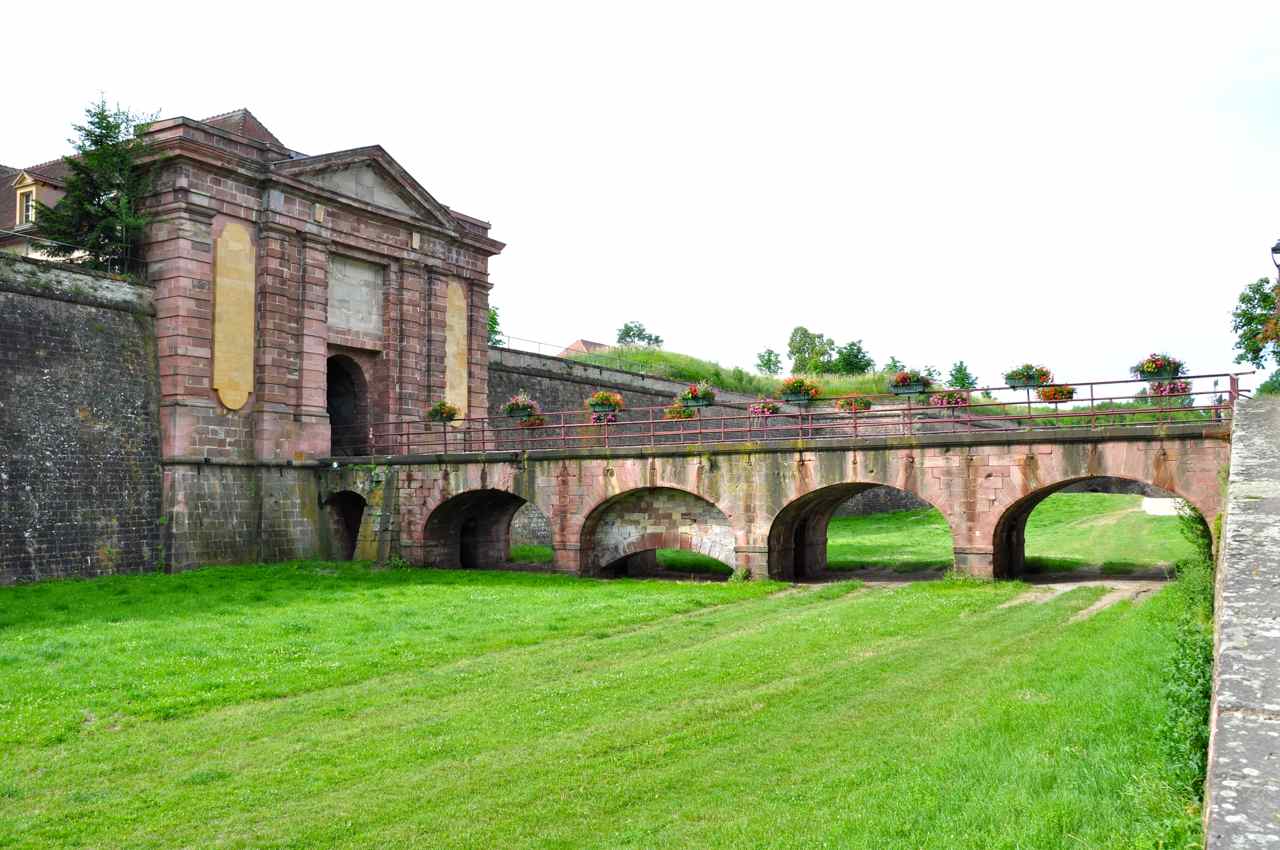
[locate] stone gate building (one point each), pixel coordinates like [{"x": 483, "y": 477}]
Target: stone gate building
[{"x": 305, "y": 306}]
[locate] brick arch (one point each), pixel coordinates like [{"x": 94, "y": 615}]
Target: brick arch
[
  {"x": 1008, "y": 537},
  {"x": 649, "y": 518},
  {"x": 471, "y": 529},
  {"x": 798, "y": 533}
]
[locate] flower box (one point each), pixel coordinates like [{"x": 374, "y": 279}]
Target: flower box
[
  {"x": 853, "y": 405},
  {"x": 521, "y": 406},
  {"x": 442, "y": 411},
  {"x": 1057, "y": 393},
  {"x": 1159, "y": 367},
  {"x": 910, "y": 382},
  {"x": 700, "y": 394},
  {"x": 604, "y": 401},
  {"x": 1028, "y": 376},
  {"x": 797, "y": 390}
]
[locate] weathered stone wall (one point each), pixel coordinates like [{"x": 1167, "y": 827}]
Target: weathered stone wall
[
  {"x": 560, "y": 384},
  {"x": 654, "y": 518},
  {"x": 880, "y": 500},
  {"x": 80, "y": 478},
  {"x": 1242, "y": 790},
  {"x": 530, "y": 526}
]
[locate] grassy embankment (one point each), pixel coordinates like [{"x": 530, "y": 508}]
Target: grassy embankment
[
  {"x": 682, "y": 367},
  {"x": 1067, "y": 531},
  {"x": 328, "y": 705}
]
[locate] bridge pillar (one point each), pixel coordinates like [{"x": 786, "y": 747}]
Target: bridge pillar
[
  {"x": 753, "y": 559},
  {"x": 566, "y": 557},
  {"x": 978, "y": 562}
]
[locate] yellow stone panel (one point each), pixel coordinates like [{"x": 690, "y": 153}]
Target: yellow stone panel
[
  {"x": 456, "y": 339},
  {"x": 233, "y": 302}
]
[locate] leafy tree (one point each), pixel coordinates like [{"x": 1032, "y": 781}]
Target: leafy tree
[
  {"x": 894, "y": 365},
  {"x": 1254, "y": 323},
  {"x": 1271, "y": 386},
  {"x": 852, "y": 359},
  {"x": 634, "y": 333},
  {"x": 961, "y": 378},
  {"x": 809, "y": 352},
  {"x": 769, "y": 362},
  {"x": 495, "y": 329},
  {"x": 99, "y": 219}
]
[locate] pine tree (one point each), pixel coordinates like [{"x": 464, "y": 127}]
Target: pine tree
[
  {"x": 961, "y": 378},
  {"x": 98, "y": 221}
]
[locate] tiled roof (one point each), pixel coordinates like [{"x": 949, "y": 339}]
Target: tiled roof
[
  {"x": 242, "y": 121},
  {"x": 54, "y": 172}
]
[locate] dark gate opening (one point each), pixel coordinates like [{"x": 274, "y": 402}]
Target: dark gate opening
[
  {"x": 347, "y": 400},
  {"x": 470, "y": 545},
  {"x": 346, "y": 512},
  {"x": 800, "y": 546}
]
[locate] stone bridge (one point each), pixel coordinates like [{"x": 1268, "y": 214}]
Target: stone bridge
[{"x": 763, "y": 508}]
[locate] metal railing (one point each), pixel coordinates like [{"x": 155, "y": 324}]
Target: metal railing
[{"x": 1096, "y": 404}]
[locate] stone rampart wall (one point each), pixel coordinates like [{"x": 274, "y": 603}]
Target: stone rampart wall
[{"x": 80, "y": 476}]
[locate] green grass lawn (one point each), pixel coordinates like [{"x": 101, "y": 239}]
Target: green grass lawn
[
  {"x": 327, "y": 705},
  {"x": 676, "y": 560},
  {"x": 1066, "y": 531}
]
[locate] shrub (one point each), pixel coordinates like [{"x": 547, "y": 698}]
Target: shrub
[
  {"x": 1195, "y": 530},
  {"x": 1183, "y": 732}
]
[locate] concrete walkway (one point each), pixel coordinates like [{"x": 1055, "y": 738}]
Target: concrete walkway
[{"x": 1242, "y": 794}]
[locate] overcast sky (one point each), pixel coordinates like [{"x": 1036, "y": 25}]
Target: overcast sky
[{"x": 1076, "y": 184}]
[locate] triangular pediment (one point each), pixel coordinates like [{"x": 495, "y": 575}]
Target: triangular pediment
[{"x": 371, "y": 176}]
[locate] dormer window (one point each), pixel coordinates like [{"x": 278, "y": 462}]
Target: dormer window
[{"x": 27, "y": 207}]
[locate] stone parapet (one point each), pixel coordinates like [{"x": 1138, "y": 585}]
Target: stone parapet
[{"x": 1242, "y": 790}]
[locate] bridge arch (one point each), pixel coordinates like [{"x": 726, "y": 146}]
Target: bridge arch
[
  {"x": 798, "y": 534},
  {"x": 646, "y": 519},
  {"x": 1010, "y": 531},
  {"x": 470, "y": 530}
]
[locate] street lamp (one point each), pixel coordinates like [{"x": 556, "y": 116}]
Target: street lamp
[{"x": 1275, "y": 258}]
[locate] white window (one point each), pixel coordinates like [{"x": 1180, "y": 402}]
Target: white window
[{"x": 27, "y": 207}]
